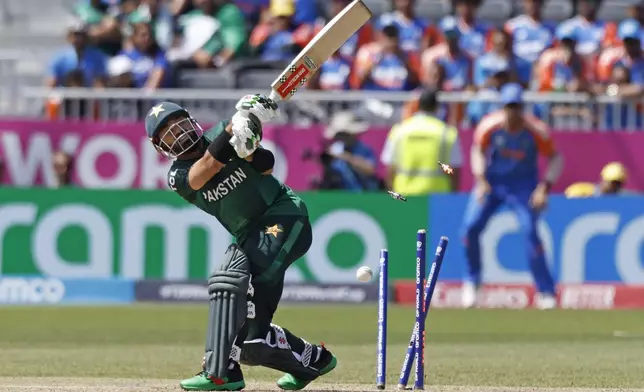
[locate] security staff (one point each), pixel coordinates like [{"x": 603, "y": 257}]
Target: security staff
[{"x": 414, "y": 147}]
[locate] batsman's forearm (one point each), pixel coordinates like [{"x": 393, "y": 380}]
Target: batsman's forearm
[
  {"x": 554, "y": 169},
  {"x": 203, "y": 170}
]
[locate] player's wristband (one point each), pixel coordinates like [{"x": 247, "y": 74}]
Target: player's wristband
[
  {"x": 263, "y": 160},
  {"x": 221, "y": 149}
]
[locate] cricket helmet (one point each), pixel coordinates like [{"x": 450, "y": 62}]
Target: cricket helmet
[{"x": 171, "y": 129}]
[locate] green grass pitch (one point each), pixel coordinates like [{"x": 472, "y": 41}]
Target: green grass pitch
[{"x": 482, "y": 348}]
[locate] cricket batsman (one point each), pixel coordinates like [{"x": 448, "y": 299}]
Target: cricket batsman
[
  {"x": 226, "y": 173},
  {"x": 507, "y": 144}
]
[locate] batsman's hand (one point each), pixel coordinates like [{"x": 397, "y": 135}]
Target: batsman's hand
[
  {"x": 247, "y": 134},
  {"x": 264, "y": 108}
]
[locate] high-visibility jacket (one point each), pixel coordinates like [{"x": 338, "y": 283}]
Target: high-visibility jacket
[{"x": 418, "y": 144}]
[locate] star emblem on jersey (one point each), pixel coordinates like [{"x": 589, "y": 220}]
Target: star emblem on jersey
[
  {"x": 156, "y": 110},
  {"x": 274, "y": 230}
]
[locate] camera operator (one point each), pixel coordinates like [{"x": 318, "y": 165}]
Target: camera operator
[{"x": 349, "y": 164}]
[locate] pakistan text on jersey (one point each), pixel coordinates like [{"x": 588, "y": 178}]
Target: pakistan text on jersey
[{"x": 224, "y": 187}]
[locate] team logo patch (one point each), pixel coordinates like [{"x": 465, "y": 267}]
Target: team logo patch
[
  {"x": 156, "y": 110},
  {"x": 273, "y": 230}
]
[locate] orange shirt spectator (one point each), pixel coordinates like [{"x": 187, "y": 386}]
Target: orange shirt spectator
[
  {"x": 445, "y": 66},
  {"x": 564, "y": 69}
]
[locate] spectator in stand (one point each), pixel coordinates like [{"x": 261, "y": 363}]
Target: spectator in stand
[
  {"x": 158, "y": 16},
  {"x": 493, "y": 70},
  {"x": 591, "y": 33},
  {"x": 635, "y": 12},
  {"x": 304, "y": 33},
  {"x": 62, "y": 163},
  {"x": 334, "y": 74},
  {"x": 352, "y": 164},
  {"x": 625, "y": 70},
  {"x": 446, "y": 66},
  {"x": 78, "y": 56},
  {"x": 531, "y": 34},
  {"x": 384, "y": 65},
  {"x": 104, "y": 28},
  {"x": 416, "y": 34},
  {"x": 567, "y": 71},
  {"x": 630, "y": 57},
  {"x": 498, "y": 77},
  {"x": 500, "y": 58},
  {"x": 150, "y": 68},
  {"x": 279, "y": 44},
  {"x": 474, "y": 34},
  {"x": 228, "y": 41}
]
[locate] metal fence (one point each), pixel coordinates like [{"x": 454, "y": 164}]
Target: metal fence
[{"x": 563, "y": 111}]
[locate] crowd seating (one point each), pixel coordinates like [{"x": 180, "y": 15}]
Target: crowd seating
[{"x": 32, "y": 31}]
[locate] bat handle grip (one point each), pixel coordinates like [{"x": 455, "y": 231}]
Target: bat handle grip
[{"x": 273, "y": 95}]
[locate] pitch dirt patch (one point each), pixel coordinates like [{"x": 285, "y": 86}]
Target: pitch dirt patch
[{"x": 53, "y": 384}]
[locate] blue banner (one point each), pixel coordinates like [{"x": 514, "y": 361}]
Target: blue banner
[
  {"x": 53, "y": 291},
  {"x": 586, "y": 240}
]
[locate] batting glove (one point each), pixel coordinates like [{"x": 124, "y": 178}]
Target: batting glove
[
  {"x": 247, "y": 134},
  {"x": 264, "y": 108}
]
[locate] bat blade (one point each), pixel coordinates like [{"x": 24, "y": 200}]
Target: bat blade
[{"x": 320, "y": 49}]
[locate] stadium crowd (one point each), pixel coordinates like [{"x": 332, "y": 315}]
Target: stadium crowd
[
  {"x": 145, "y": 43},
  {"x": 398, "y": 51}
]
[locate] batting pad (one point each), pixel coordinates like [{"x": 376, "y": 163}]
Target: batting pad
[{"x": 228, "y": 288}]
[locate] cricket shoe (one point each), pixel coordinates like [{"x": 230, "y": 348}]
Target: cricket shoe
[
  {"x": 324, "y": 364},
  {"x": 545, "y": 301},
  {"x": 234, "y": 381},
  {"x": 470, "y": 294}
]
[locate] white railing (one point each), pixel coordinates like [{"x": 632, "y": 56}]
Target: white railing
[{"x": 562, "y": 111}]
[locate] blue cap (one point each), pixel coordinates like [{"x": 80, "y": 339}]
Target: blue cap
[
  {"x": 629, "y": 28},
  {"x": 449, "y": 27},
  {"x": 511, "y": 93},
  {"x": 567, "y": 32}
]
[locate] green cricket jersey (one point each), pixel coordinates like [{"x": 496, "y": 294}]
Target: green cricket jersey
[{"x": 238, "y": 195}]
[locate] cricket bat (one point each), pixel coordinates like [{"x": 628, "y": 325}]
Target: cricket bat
[{"x": 320, "y": 49}]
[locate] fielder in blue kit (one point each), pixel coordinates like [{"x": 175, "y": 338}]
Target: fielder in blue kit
[{"x": 507, "y": 145}]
